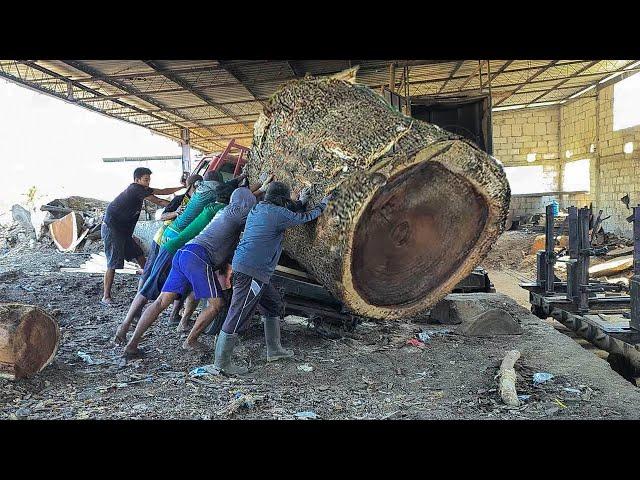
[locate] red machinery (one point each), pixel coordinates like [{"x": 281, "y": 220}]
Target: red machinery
[{"x": 229, "y": 162}]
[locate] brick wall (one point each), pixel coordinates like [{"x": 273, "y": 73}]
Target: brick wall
[
  {"x": 578, "y": 124},
  {"x": 517, "y": 133},
  {"x": 619, "y": 173}
]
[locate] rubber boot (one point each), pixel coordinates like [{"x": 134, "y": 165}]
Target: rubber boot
[
  {"x": 224, "y": 348},
  {"x": 272, "y": 338}
]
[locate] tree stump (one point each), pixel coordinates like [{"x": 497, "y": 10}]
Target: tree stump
[
  {"x": 29, "y": 339},
  {"x": 415, "y": 208}
]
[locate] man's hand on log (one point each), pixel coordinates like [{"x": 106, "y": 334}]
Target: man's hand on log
[
  {"x": 325, "y": 201},
  {"x": 266, "y": 178},
  {"x": 305, "y": 195}
]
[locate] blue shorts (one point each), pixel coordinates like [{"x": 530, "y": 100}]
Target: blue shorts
[
  {"x": 157, "y": 275},
  {"x": 190, "y": 269}
]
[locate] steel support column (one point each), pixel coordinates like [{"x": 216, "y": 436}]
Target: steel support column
[{"x": 186, "y": 150}]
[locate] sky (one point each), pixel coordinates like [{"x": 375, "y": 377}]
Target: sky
[{"x": 58, "y": 148}]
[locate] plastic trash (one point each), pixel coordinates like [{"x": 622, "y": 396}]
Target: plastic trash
[
  {"x": 524, "y": 398},
  {"x": 85, "y": 356},
  {"x": 305, "y": 367},
  {"x": 541, "y": 377},
  {"x": 424, "y": 337},
  {"x": 572, "y": 390},
  {"x": 415, "y": 343},
  {"x": 308, "y": 415},
  {"x": 200, "y": 371}
]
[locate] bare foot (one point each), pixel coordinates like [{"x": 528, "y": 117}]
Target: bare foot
[
  {"x": 107, "y": 302},
  {"x": 183, "y": 328},
  {"x": 133, "y": 353},
  {"x": 195, "y": 346},
  {"x": 121, "y": 337}
]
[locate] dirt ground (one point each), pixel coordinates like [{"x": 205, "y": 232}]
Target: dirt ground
[{"x": 371, "y": 373}]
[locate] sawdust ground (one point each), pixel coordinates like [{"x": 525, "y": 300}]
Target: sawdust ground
[{"x": 369, "y": 374}]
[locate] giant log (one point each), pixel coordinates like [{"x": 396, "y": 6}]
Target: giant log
[
  {"x": 29, "y": 339},
  {"x": 415, "y": 208}
]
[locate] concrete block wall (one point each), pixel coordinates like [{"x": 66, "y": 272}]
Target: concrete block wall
[
  {"x": 517, "y": 133},
  {"x": 619, "y": 173},
  {"x": 578, "y": 124}
]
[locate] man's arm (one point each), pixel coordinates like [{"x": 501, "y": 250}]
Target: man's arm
[
  {"x": 169, "y": 215},
  {"x": 297, "y": 218},
  {"x": 157, "y": 201},
  {"x": 167, "y": 191}
]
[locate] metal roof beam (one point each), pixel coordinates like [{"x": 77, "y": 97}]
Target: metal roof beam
[
  {"x": 453, "y": 72},
  {"x": 156, "y": 73},
  {"x": 201, "y": 96},
  {"x": 538, "y": 73},
  {"x": 46, "y": 71},
  {"x": 578, "y": 72},
  {"x": 143, "y": 96}
]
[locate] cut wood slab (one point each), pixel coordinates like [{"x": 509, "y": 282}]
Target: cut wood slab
[
  {"x": 67, "y": 232},
  {"x": 29, "y": 339},
  {"x": 612, "y": 266}
]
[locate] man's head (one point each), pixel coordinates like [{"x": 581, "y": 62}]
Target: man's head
[
  {"x": 192, "y": 182},
  {"x": 278, "y": 193},
  {"x": 142, "y": 176},
  {"x": 213, "y": 176}
]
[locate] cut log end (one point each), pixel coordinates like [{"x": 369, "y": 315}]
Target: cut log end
[
  {"x": 407, "y": 236},
  {"x": 29, "y": 339}
]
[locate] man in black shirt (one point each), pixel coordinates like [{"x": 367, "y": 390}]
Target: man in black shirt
[{"x": 120, "y": 220}]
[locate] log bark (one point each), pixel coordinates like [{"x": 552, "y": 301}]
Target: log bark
[
  {"x": 507, "y": 379},
  {"x": 29, "y": 339},
  {"x": 415, "y": 208}
]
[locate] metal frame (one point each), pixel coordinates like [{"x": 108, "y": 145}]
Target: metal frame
[
  {"x": 612, "y": 323},
  {"x": 156, "y": 94}
]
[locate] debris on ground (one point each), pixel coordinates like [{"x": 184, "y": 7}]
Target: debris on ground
[
  {"x": 365, "y": 375},
  {"x": 541, "y": 377},
  {"x": 308, "y": 415}
]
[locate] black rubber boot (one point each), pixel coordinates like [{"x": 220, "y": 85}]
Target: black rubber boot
[
  {"x": 224, "y": 349},
  {"x": 272, "y": 339}
]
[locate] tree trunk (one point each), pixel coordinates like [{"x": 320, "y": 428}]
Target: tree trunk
[
  {"x": 415, "y": 207},
  {"x": 29, "y": 339}
]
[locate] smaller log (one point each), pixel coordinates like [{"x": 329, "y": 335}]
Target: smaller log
[
  {"x": 29, "y": 339},
  {"x": 507, "y": 379}
]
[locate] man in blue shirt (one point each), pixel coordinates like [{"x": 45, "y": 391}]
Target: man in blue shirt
[{"x": 253, "y": 264}]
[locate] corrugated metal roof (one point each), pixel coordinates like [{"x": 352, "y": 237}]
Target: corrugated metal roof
[{"x": 219, "y": 99}]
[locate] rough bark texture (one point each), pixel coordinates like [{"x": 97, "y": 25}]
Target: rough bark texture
[
  {"x": 29, "y": 339},
  {"x": 415, "y": 207}
]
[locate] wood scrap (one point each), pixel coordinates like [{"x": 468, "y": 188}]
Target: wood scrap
[
  {"x": 507, "y": 379},
  {"x": 612, "y": 266},
  {"x": 67, "y": 232},
  {"x": 98, "y": 264}
]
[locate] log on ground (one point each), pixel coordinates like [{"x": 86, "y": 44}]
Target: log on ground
[
  {"x": 415, "y": 208},
  {"x": 29, "y": 339}
]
